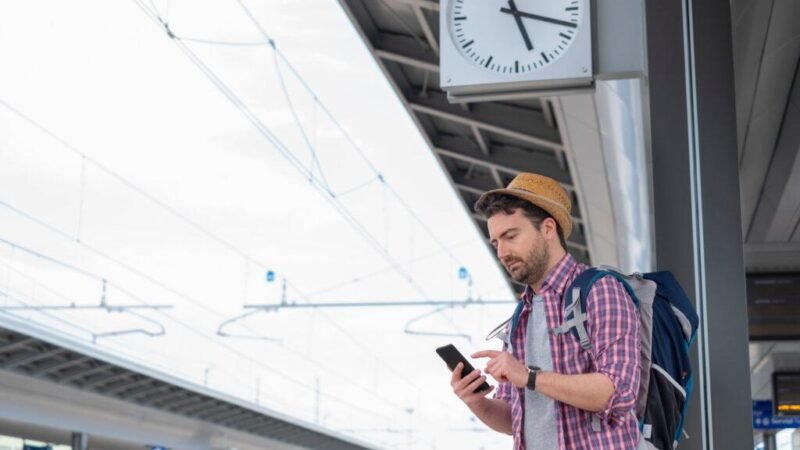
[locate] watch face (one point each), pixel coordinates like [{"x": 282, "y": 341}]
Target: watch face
[{"x": 514, "y": 36}]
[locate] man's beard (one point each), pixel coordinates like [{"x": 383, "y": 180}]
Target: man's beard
[{"x": 533, "y": 266}]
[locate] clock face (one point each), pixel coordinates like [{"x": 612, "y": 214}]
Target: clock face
[{"x": 514, "y": 36}]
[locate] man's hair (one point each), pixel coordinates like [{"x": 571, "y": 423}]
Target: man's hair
[{"x": 507, "y": 204}]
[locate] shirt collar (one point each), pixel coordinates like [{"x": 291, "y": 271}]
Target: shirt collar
[{"x": 556, "y": 279}]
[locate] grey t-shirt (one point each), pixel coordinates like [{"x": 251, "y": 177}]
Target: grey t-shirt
[{"x": 541, "y": 432}]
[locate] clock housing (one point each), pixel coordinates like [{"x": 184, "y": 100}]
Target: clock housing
[{"x": 502, "y": 46}]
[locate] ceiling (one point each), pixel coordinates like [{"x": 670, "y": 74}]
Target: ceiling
[
  {"x": 59, "y": 366},
  {"x": 766, "y": 52}
]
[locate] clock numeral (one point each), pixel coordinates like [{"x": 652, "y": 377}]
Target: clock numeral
[
  {"x": 488, "y": 61},
  {"x": 459, "y": 18},
  {"x": 468, "y": 44},
  {"x": 565, "y": 36},
  {"x": 545, "y": 57}
]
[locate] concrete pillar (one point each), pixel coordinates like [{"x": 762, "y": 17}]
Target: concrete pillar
[
  {"x": 80, "y": 441},
  {"x": 696, "y": 205}
]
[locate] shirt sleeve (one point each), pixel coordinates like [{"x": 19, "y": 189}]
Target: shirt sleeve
[
  {"x": 613, "y": 327},
  {"x": 503, "y": 391}
]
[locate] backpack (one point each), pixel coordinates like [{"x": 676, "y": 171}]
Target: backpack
[{"x": 668, "y": 325}]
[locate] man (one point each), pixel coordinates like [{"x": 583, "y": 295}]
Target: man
[{"x": 552, "y": 394}]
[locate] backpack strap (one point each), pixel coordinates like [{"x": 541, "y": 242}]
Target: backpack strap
[
  {"x": 575, "y": 306},
  {"x": 515, "y": 318},
  {"x": 575, "y": 317}
]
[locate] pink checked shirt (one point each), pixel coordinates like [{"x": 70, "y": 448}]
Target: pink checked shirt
[{"x": 613, "y": 326}]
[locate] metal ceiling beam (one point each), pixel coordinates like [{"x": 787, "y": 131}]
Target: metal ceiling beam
[
  {"x": 203, "y": 411},
  {"x": 230, "y": 421},
  {"x": 248, "y": 424},
  {"x": 427, "y": 4},
  {"x": 483, "y": 144},
  {"x": 504, "y": 158},
  {"x": 403, "y": 59},
  {"x": 59, "y": 365},
  {"x": 124, "y": 386},
  {"x": 215, "y": 417},
  {"x": 426, "y": 28},
  {"x": 405, "y": 50},
  {"x": 190, "y": 406},
  {"x": 148, "y": 395},
  {"x": 72, "y": 375},
  {"x": 281, "y": 430},
  {"x": 148, "y": 389},
  {"x": 163, "y": 402},
  {"x": 523, "y": 125},
  {"x": 29, "y": 358},
  {"x": 109, "y": 379},
  {"x": 16, "y": 344}
]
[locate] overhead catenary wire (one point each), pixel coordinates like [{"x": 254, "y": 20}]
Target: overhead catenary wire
[
  {"x": 196, "y": 302},
  {"x": 176, "y": 214},
  {"x": 314, "y": 158},
  {"x": 330, "y": 198},
  {"x": 224, "y": 43},
  {"x": 271, "y": 42},
  {"x": 72, "y": 236},
  {"x": 119, "y": 349},
  {"x": 284, "y": 151},
  {"x": 287, "y": 153},
  {"x": 79, "y": 233},
  {"x": 287, "y": 377}
]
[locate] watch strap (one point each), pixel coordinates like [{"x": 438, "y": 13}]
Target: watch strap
[{"x": 532, "y": 372}]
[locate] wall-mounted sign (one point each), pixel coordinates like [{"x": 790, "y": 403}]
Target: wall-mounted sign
[
  {"x": 786, "y": 393},
  {"x": 773, "y": 303},
  {"x": 763, "y": 419}
]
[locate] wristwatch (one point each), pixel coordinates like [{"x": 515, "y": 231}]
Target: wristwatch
[{"x": 532, "y": 372}]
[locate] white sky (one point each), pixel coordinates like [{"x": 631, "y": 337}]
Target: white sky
[{"x": 108, "y": 81}]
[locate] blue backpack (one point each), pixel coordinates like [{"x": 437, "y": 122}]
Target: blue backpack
[{"x": 668, "y": 325}]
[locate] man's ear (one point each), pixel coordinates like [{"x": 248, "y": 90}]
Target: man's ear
[{"x": 550, "y": 227}]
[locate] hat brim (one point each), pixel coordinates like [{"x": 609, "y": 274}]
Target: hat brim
[{"x": 559, "y": 213}]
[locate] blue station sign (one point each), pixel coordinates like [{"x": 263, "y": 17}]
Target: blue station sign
[{"x": 764, "y": 418}]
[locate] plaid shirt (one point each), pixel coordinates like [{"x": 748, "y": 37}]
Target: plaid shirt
[{"x": 613, "y": 326}]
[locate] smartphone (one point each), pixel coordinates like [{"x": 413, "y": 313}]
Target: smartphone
[{"x": 452, "y": 357}]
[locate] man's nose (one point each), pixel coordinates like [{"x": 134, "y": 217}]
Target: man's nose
[{"x": 502, "y": 251}]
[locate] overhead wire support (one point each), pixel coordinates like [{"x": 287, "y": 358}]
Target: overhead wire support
[
  {"x": 287, "y": 153},
  {"x": 374, "y": 304},
  {"x": 440, "y": 305},
  {"x": 103, "y": 304},
  {"x": 342, "y": 130},
  {"x": 366, "y": 234},
  {"x": 180, "y": 322}
]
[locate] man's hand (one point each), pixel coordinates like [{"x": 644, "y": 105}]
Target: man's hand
[
  {"x": 464, "y": 387},
  {"x": 504, "y": 368}
]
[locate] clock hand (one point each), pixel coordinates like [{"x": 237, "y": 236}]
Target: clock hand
[
  {"x": 520, "y": 25},
  {"x": 517, "y": 13}
]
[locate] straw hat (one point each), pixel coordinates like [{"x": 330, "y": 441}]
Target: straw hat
[{"x": 542, "y": 191}]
